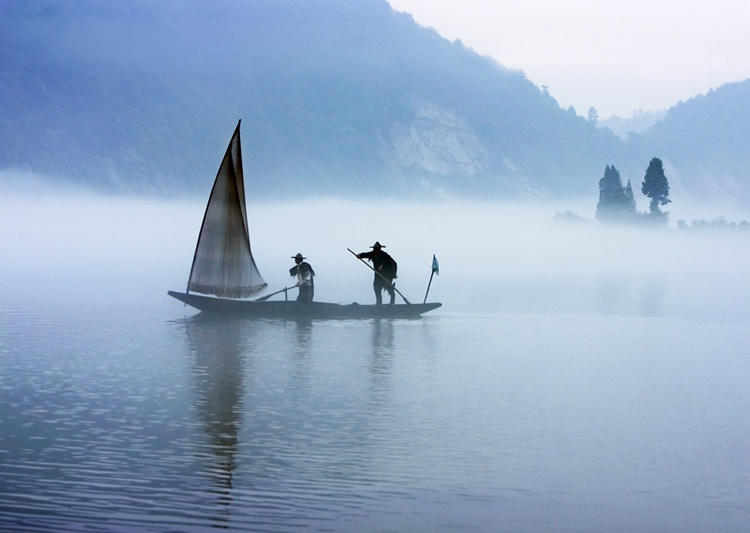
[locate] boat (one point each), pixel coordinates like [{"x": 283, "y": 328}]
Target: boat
[
  {"x": 224, "y": 273},
  {"x": 292, "y": 309}
]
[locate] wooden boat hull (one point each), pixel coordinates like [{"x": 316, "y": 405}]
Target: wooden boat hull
[{"x": 292, "y": 309}]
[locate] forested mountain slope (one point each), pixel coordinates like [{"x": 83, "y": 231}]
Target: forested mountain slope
[{"x": 336, "y": 97}]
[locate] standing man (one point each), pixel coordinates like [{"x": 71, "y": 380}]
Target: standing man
[
  {"x": 385, "y": 267},
  {"x": 305, "y": 274}
]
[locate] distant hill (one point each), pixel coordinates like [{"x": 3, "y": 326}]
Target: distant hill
[
  {"x": 336, "y": 96},
  {"x": 639, "y": 121},
  {"x": 705, "y": 142}
]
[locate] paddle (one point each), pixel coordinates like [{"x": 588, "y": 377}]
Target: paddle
[
  {"x": 391, "y": 285},
  {"x": 267, "y": 296}
]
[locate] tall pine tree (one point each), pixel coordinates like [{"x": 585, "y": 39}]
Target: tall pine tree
[
  {"x": 616, "y": 203},
  {"x": 630, "y": 198},
  {"x": 656, "y": 187}
]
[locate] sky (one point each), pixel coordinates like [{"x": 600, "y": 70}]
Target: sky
[{"x": 616, "y": 56}]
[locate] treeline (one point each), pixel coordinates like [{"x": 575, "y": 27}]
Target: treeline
[
  {"x": 617, "y": 202},
  {"x": 719, "y": 223}
]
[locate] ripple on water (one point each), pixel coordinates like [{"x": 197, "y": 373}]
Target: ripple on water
[{"x": 123, "y": 422}]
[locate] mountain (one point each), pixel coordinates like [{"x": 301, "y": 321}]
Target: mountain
[
  {"x": 639, "y": 121},
  {"x": 336, "y": 97},
  {"x": 704, "y": 141}
]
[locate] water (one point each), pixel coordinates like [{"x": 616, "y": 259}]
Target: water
[
  {"x": 125, "y": 421},
  {"x": 576, "y": 379}
]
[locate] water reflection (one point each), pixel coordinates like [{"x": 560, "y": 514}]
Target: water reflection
[
  {"x": 382, "y": 335},
  {"x": 303, "y": 334},
  {"x": 653, "y": 297},
  {"x": 301, "y": 357},
  {"x": 644, "y": 297},
  {"x": 381, "y": 360},
  {"x": 217, "y": 346}
]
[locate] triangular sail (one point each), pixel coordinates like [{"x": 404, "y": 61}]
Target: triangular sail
[{"x": 223, "y": 263}]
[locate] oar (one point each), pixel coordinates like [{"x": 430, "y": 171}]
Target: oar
[
  {"x": 391, "y": 285},
  {"x": 267, "y": 296}
]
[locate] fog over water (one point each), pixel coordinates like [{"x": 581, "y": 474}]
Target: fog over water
[
  {"x": 577, "y": 378},
  {"x": 494, "y": 257}
]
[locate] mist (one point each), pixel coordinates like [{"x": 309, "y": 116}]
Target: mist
[
  {"x": 579, "y": 374},
  {"x": 70, "y": 248}
]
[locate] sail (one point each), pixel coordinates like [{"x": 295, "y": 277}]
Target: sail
[{"x": 223, "y": 263}]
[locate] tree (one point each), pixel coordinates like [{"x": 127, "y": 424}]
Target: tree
[
  {"x": 593, "y": 115},
  {"x": 616, "y": 204},
  {"x": 656, "y": 187},
  {"x": 630, "y": 198}
]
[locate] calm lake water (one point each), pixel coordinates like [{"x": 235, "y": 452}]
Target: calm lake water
[
  {"x": 159, "y": 420},
  {"x": 579, "y": 378}
]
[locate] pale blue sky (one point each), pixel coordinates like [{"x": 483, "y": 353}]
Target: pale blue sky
[{"x": 617, "y": 56}]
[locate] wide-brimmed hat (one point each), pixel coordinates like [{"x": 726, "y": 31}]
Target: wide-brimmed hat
[
  {"x": 377, "y": 245},
  {"x": 298, "y": 256}
]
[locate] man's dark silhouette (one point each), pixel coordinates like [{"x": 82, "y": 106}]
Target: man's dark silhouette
[
  {"x": 385, "y": 267},
  {"x": 305, "y": 274}
]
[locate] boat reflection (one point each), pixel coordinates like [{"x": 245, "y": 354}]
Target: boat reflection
[
  {"x": 382, "y": 335},
  {"x": 303, "y": 327},
  {"x": 216, "y": 347},
  {"x": 381, "y": 360}
]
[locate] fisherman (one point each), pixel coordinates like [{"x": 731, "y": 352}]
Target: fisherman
[
  {"x": 385, "y": 271},
  {"x": 304, "y": 273}
]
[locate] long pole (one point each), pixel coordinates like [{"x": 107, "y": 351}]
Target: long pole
[
  {"x": 391, "y": 285},
  {"x": 434, "y": 269},
  {"x": 267, "y": 296},
  {"x": 428, "y": 287}
]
